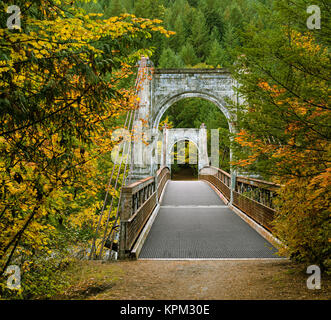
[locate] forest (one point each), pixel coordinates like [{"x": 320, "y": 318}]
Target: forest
[
  {"x": 66, "y": 79},
  {"x": 206, "y": 36}
]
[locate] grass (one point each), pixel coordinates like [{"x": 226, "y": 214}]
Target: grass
[{"x": 88, "y": 278}]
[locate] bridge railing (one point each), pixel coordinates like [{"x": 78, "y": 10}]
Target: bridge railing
[
  {"x": 162, "y": 176},
  {"x": 137, "y": 204},
  {"x": 219, "y": 178},
  {"x": 256, "y": 198},
  {"x": 252, "y": 196}
]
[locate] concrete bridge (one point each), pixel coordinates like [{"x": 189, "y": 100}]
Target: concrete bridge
[{"x": 220, "y": 216}]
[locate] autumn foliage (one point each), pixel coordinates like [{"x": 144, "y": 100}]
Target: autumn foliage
[
  {"x": 285, "y": 136},
  {"x": 65, "y": 85}
]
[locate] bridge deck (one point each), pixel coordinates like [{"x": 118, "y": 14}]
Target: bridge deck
[{"x": 194, "y": 223}]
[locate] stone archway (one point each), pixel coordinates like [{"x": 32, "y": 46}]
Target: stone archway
[
  {"x": 161, "y": 88},
  {"x": 171, "y": 85},
  {"x": 197, "y": 136},
  {"x": 164, "y": 105}
]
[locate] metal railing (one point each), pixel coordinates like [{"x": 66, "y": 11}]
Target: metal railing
[
  {"x": 137, "y": 204},
  {"x": 219, "y": 178},
  {"x": 256, "y": 198},
  {"x": 252, "y": 196},
  {"x": 163, "y": 175}
]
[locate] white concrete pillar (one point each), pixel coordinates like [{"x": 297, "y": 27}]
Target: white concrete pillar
[
  {"x": 203, "y": 154},
  {"x": 164, "y": 146}
]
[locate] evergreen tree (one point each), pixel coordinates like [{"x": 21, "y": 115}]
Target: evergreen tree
[
  {"x": 115, "y": 8},
  {"x": 128, "y": 5},
  {"x": 236, "y": 18},
  {"x": 230, "y": 42},
  {"x": 169, "y": 59},
  {"x": 152, "y": 9},
  {"x": 155, "y": 9},
  {"x": 199, "y": 36},
  {"x": 178, "y": 40},
  {"x": 216, "y": 57},
  {"x": 215, "y": 35},
  {"x": 212, "y": 13},
  {"x": 188, "y": 55},
  {"x": 140, "y": 9}
]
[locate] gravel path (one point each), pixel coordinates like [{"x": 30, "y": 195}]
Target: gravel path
[{"x": 193, "y": 280}]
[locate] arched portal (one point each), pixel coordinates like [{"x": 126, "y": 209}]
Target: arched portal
[
  {"x": 184, "y": 155},
  {"x": 171, "y": 147},
  {"x": 171, "y": 85},
  {"x": 197, "y": 136},
  {"x": 167, "y": 86},
  {"x": 164, "y": 106}
]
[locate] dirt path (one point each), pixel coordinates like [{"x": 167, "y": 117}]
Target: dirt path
[{"x": 147, "y": 279}]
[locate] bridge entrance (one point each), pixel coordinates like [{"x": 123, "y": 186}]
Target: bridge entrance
[{"x": 166, "y": 219}]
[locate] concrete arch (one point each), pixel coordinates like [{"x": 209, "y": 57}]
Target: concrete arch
[{"x": 166, "y": 103}]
